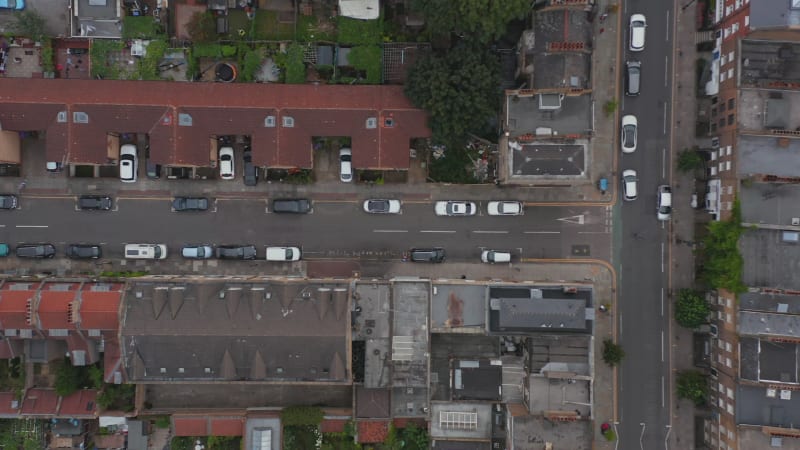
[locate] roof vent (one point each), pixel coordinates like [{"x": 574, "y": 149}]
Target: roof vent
[
  {"x": 372, "y": 123},
  {"x": 80, "y": 117},
  {"x": 208, "y": 369},
  {"x": 795, "y": 221},
  {"x": 61, "y": 117},
  {"x": 288, "y": 122},
  {"x": 388, "y": 122},
  {"x": 269, "y": 122},
  {"x": 184, "y": 120},
  {"x": 180, "y": 370},
  {"x": 163, "y": 370}
]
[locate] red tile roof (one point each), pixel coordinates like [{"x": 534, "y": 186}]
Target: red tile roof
[
  {"x": 190, "y": 426},
  {"x": 333, "y": 425},
  {"x": 112, "y": 359},
  {"x": 81, "y": 404},
  {"x": 181, "y": 118},
  {"x": 14, "y": 308},
  {"x": 372, "y": 431},
  {"x": 100, "y": 310},
  {"x": 10, "y": 348},
  {"x": 7, "y": 400},
  {"x": 40, "y": 402},
  {"x": 227, "y": 426},
  {"x": 55, "y": 310}
]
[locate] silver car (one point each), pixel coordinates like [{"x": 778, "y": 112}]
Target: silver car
[{"x": 197, "y": 252}]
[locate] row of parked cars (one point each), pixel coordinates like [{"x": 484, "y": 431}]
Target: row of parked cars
[
  {"x": 155, "y": 251},
  {"x": 437, "y": 255},
  {"x": 41, "y": 251}
]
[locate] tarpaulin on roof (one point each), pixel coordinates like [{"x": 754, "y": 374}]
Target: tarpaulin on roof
[{"x": 360, "y": 9}]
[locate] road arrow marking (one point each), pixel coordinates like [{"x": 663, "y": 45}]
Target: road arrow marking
[{"x": 577, "y": 220}]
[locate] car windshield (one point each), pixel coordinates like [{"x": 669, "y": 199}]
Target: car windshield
[
  {"x": 629, "y": 132},
  {"x": 157, "y": 251},
  {"x": 638, "y": 24}
]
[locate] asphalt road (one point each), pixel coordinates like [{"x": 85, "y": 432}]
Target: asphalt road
[
  {"x": 334, "y": 230},
  {"x": 644, "y": 382}
]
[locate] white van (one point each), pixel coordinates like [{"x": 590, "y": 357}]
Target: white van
[
  {"x": 145, "y": 251},
  {"x": 494, "y": 256}
]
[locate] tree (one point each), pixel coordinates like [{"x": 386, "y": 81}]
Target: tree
[
  {"x": 693, "y": 385},
  {"x": 70, "y": 378},
  {"x": 485, "y": 20},
  {"x": 29, "y": 23},
  {"x": 202, "y": 27},
  {"x": 689, "y": 160},
  {"x": 691, "y": 309},
  {"x": 301, "y": 415},
  {"x": 722, "y": 267},
  {"x": 460, "y": 90},
  {"x": 612, "y": 353}
]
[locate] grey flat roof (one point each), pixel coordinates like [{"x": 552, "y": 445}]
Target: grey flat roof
[
  {"x": 770, "y": 203},
  {"x": 753, "y": 323},
  {"x": 410, "y": 341},
  {"x": 548, "y": 159},
  {"x": 539, "y": 309},
  {"x": 524, "y": 116},
  {"x": 769, "y": 63},
  {"x": 753, "y": 407},
  {"x": 460, "y": 445},
  {"x": 461, "y": 420},
  {"x": 477, "y": 380},
  {"x": 575, "y": 435},
  {"x": 552, "y": 67},
  {"x": 765, "y": 109},
  {"x": 768, "y": 260},
  {"x": 762, "y": 155},
  {"x": 748, "y": 358},
  {"x": 253, "y": 424},
  {"x": 754, "y": 437},
  {"x": 448, "y": 346},
  {"x": 769, "y": 302},
  {"x": 559, "y": 353},
  {"x": 372, "y": 310},
  {"x": 553, "y": 394},
  {"x": 773, "y": 14},
  {"x": 768, "y": 361},
  {"x": 458, "y": 306}
]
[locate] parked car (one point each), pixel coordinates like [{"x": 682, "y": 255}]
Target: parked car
[
  {"x": 8, "y": 201},
  {"x": 346, "y": 165},
  {"x": 128, "y": 163},
  {"x": 629, "y": 184},
  {"x": 431, "y": 255},
  {"x": 236, "y": 252},
  {"x": 629, "y": 133},
  {"x": 145, "y": 251},
  {"x": 633, "y": 78},
  {"x": 250, "y": 170},
  {"x": 12, "y": 4},
  {"x": 664, "y": 202},
  {"x": 291, "y": 205},
  {"x": 95, "y": 202},
  {"x": 36, "y": 251},
  {"x": 638, "y": 24},
  {"x": 190, "y": 204},
  {"x": 4, "y": 249},
  {"x": 495, "y": 256},
  {"x": 455, "y": 208},
  {"x": 84, "y": 251},
  {"x": 226, "y": 169},
  {"x": 197, "y": 251},
  {"x": 283, "y": 254},
  {"x": 505, "y": 208},
  {"x": 382, "y": 206}
]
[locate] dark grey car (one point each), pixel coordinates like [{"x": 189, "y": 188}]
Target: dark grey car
[
  {"x": 633, "y": 77},
  {"x": 236, "y": 252},
  {"x": 190, "y": 204},
  {"x": 250, "y": 170},
  {"x": 95, "y": 202},
  {"x": 291, "y": 205},
  {"x": 84, "y": 251},
  {"x": 8, "y": 201},
  {"x": 36, "y": 251},
  {"x": 432, "y": 255}
]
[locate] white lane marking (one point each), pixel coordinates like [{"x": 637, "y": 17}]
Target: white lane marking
[
  {"x": 662, "y": 346},
  {"x": 592, "y": 232},
  {"x": 665, "y": 118},
  {"x": 663, "y": 163},
  {"x": 390, "y": 231},
  {"x": 437, "y": 231},
  {"x": 662, "y": 257},
  {"x": 662, "y": 302},
  {"x": 666, "y": 73},
  {"x": 580, "y": 219},
  {"x": 2, "y": 226},
  {"x": 542, "y": 232},
  {"x": 667, "y": 38},
  {"x": 490, "y": 232},
  {"x": 620, "y": 322},
  {"x": 32, "y": 226},
  {"x": 662, "y": 391}
]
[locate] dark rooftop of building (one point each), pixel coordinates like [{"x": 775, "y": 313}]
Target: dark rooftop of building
[
  {"x": 773, "y": 14},
  {"x": 770, "y": 302},
  {"x": 769, "y": 361},
  {"x": 770, "y": 64},
  {"x": 567, "y": 353},
  {"x": 526, "y": 309},
  {"x": 774, "y": 204},
  {"x": 770, "y": 260},
  {"x": 447, "y": 347},
  {"x": 759, "y": 405},
  {"x": 767, "y": 155},
  {"x": 477, "y": 380},
  {"x": 373, "y": 403}
]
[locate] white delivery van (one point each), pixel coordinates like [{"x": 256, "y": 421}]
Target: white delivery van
[{"x": 145, "y": 251}]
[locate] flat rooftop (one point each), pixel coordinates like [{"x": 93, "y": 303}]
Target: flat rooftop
[
  {"x": 553, "y": 394},
  {"x": 575, "y": 435},
  {"x": 457, "y": 307},
  {"x": 767, "y": 155},
  {"x": 533, "y": 309},
  {"x": 767, "y": 361},
  {"x": 769, "y": 302},
  {"x": 446, "y": 347},
  {"x": 769, "y": 260},
  {"x": 761, "y": 109},
  {"x": 527, "y": 114},
  {"x": 770, "y": 203},
  {"x": 461, "y": 420},
  {"x": 372, "y": 310},
  {"x": 754, "y": 437},
  {"x": 755, "y": 405},
  {"x": 409, "y": 355},
  {"x": 769, "y": 64},
  {"x": 773, "y": 14},
  {"x": 559, "y": 353},
  {"x": 477, "y": 380},
  {"x": 549, "y": 159}
]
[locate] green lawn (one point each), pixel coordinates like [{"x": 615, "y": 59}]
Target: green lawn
[
  {"x": 267, "y": 27},
  {"x": 237, "y": 20}
]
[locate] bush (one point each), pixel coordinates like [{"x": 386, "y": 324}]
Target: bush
[
  {"x": 118, "y": 397},
  {"x": 691, "y": 309},
  {"x": 301, "y": 415},
  {"x": 202, "y": 27},
  {"x": 610, "y": 107},
  {"x": 689, "y": 160},
  {"x": 368, "y": 58},
  {"x": 250, "y": 64},
  {"x": 722, "y": 267},
  {"x": 29, "y": 23},
  {"x": 162, "y": 422},
  {"x": 141, "y": 27},
  {"x": 693, "y": 385},
  {"x": 612, "y": 353},
  {"x": 295, "y": 67},
  {"x": 70, "y": 379}
]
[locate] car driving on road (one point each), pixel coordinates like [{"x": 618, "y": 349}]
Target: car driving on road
[
  {"x": 95, "y": 202},
  {"x": 8, "y": 201},
  {"x": 504, "y": 208},
  {"x": 382, "y": 206},
  {"x": 236, "y": 252},
  {"x": 190, "y": 204},
  {"x": 638, "y": 24},
  {"x": 633, "y": 78},
  {"x": 455, "y": 208},
  {"x": 629, "y": 133},
  {"x": 36, "y": 251},
  {"x": 495, "y": 256},
  {"x": 629, "y": 185},
  {"x": 84, "y": 251},
  {"x": 664, "y": 202}
]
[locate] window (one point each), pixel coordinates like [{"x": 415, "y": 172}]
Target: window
[
  {"x": 730, "y": 74},
  {"x": 721, "y": 167},
  {"x": 728, "y": 362},
  {"x": 722, "y": 107},
  {"x": 728, "y": 10},
  {"x": 722, "y": 60},
  {"x": 727, "y": 32},
  {"x": 730, "y": 316},
  {"x": 730, "y": 119},
  {"x": 730, "y": 56},
  {"x": 721, "y": 387},
  {"x": 729, "y": 148},
  {"x": 747, "y": 21},
  {"x": 730, "y": 190},
  {"x": 729, "y": 302},
  {"x": 730, "y": 411},
  {"x": 727, "y": 165},
  {"x": 721, "y": 345},
  {"x": 738, "y": 4},
  {"x": 731, "y": 104},
  {"x": 721, "y": 123},
  {"x": 730, "y": 393},
  {"x": 728, "y": 346},
  {"x": 721, "y": 402},
  {"x": 722, "y": 76},
  {"x": 735, "y": 27}
]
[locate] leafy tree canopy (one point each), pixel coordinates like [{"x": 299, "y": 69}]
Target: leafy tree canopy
[
  {"x": 484, "y": 20},
  {"x": 691, "y": 309},
  {"x": 722, "y": 267},
  {"x": 693, "y": 385},
  {"x": 202, "y": 27},
  {"x": 29, "y": 23},
  {"x": 301, "y": 415},
  {"x": 460, "y": 90},
  {"x": 612, "y": 353}
]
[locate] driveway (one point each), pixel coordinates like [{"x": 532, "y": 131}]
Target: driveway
[{"x": 55, "y": 13}]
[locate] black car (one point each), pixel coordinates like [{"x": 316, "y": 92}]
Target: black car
[
  {"x": 84, "y": 251},
  {"x": 432, "y": 255},
  {"x": 236, "y": 252},
  {"x": 36, "y": 251},
  {"x": 291, "y": 205},
  {"x": 8, "y": 201},
  {"x": 190, "y": 204},
  {"x": 250, "y": 171},
  {"x": 95, "y": 202}
]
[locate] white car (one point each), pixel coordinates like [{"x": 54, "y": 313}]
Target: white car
[
  {"x": 628, "y": 135},
  {"x": 629, "y": 185},
  {"x": 382, "y": 206},
  {"x": 226, "y": 171},
  {"x": 283, "y": 254},
  {"x": 345, "y": 165},
  {"x": 128, "y": 163},
  {"x": 455, "y": 208},
  {"x": 638, "y": 24},
  {"x": 495, "y": 256},
  {"x": 664, "y": 202},
  {"x": 505, "y": 208}
]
